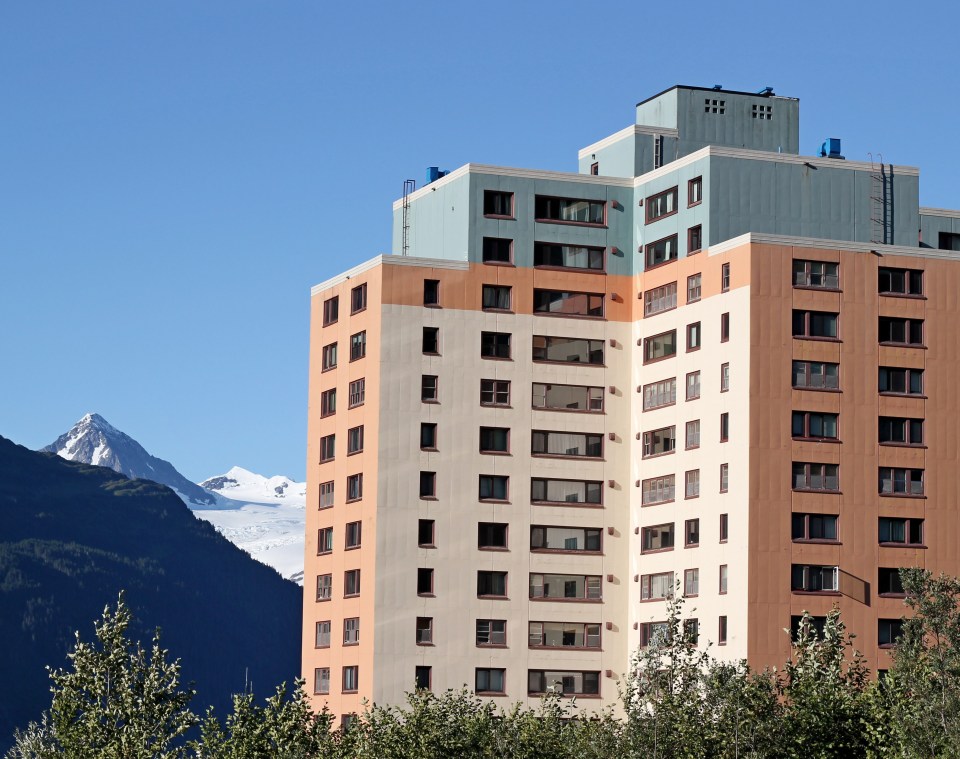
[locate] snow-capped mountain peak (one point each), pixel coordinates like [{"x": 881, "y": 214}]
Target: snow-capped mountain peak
[{"x": 243, "y": 485}]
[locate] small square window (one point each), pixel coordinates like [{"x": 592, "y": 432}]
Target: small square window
[
  {"x": 428, "y": 484},
  {"x": 497, "y": 203},
  {"x": 495, "y": 344},
  {"x": 431, "y": 340},
  {"x": 497, "y": 250},
  {"x": 424, "y": 581},
  {"x": 431, "y": 292},
  {"x": 496, "y": 297},
  {"x": 422, "y": 676},
  {"x": 494, "y": 392},
  {"x": 426, "y": 529},
  {"x": 428, "y": 436}
]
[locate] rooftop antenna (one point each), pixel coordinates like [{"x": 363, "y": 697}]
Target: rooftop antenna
[{"x": 409, "y": 185}]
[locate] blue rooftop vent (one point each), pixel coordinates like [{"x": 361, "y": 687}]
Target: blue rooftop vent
[
  {"x": 434, "y": 173},
  {"x": 831, "y": 148},
  {"x": 766, "y": 91}
]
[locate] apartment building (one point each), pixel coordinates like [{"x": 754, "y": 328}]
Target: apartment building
[{"x": 703, "y": 363}]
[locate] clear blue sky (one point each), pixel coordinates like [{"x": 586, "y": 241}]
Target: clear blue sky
[{"x": 175, "y": 175}]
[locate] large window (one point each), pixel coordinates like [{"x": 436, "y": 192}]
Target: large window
[
  {"x": 491, "y": 632},
  {"x": 494, "y": 392},
  {"x": 430, "y": 388},
  {"x": 497, "y": 250},
  {"x": 888, "y": 630},
  {"x": 657, "y": 537},
  {"x": 654, "y": 634},
  {"x": 808, "y": 476},
  {"x": 563, "y": 682},
  {"x": 893, "y": 329},
  {"x": 431, "y": 340},
  {"x": 491, "y": 584},
  {"x": 816, "y": 324},
  {"x": 660, "y": 299},
  {"x": 567, "y": 256},
  {"x": 900, "y": 531},
  {"x": 658, "y": 490},
  {"x": 547, "y": 443},
  {"x": 660, "y": 346},
  {"x": 494, "y": 487},
  {"x": 567, "y": 492},
  {"x": 431, "y": 292},
  {"x": 900, "y": 281},
  {"x": 489, "y": 680},
  {"x": 815, "y": 425},
  {"x": 424, "y": 631},
  {"x": 567, "y": 350},
  {"x": 567, "y": 303},
  {"x": 897, "y": 381},
  {"x": 659, "y": 394},
  {"x": 497, "y": 203},
  {"x": 424, "y": 581},
  {"x": 811, "y": 578},
  {"x": 657, "y": 442},
  {"x": 900, "y": 431},
  {"x": 662, "y": 204},
  {"x": 898, "y": 481},
  {"x": 816, "y": 375},
  {"x": 662, "y": 251},
  {"x": 888, "y": 582},
  {"x": 495, "y": 344},
  {"x": 656, "y": 586},
  {"x": 496, "y": 297},
  {"x": 569, "y": 209},
  {"x": 563, "y": 635},
  {"x": 494, "y": 440},
  {"x": 567, "y": 397},
  {"x": 814, "y": 527},
  {"x": 572, "y": 587},
  {"x": 819, "y": 274},
  {"x": 585, "y": 539},
  {"x": 491, "y": 535}
]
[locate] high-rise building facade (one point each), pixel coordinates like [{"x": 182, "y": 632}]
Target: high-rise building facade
[{"x": 703, "y": 364}]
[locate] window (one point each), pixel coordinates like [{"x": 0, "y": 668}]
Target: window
[
  {"x": 574, "y": 587},
  {"x": 662, "y": 251},
  {"x": 568, "y": 397},
  {"x": 431, "y": 340},
  {"x": 428, "y": 484},
  {"x": 692, "y": 483},
  {"x": 762, "y": 112},
  {"x": 658, "y": 442},
  {"x": 691, "y": 532},
  {"x": 656, "y": 587},
  {"x": 724, "y": 427},
  {"x": 567, "y": 256},
  {"x": 431, "y": 292},
  {"x": 896, "y": 381},
  {"x": 358, "y": 345},
  {"x": 724, "y": 327},
  {"x": 489, "y": 680},
  {"x": 496, "y": 297},
  {"x": 823, "y": 275},
  {"x": 660, "y": 346},
  {"x": 816, "y": 324},
  {"x": 329, "y": 360},
  {"x": 327, "y": 448},
  {"x": 662, "y": 204},
  {"x": 430, "y": 388},
  {"x": 494, "y": 487},
  {"x": 324, "y": 540},
  {"x": 585, "y": 539},
  {"x": 901, "y": 331},
  {"x": 724, "y": 377},
  {"x": 425, "y": 533},
  {"x": 722, "y": 624},
  {"x": 564, "y": 303},
  {"x": 354, "y": 487},
  {"x": 694, "y": 191},
  {"x": 660, "y": 299},
  {"x": 324, "y": 587},
  {"x": 899, "y": 431},
  {"x": 724, "y": 477},
  {"x": 545, "y": 443},
  {"x": 693, "y": 386},
  {"x": 321, "y": 680},
  {"x": 691, "y": 631},
  {"x": 809, "y": 625},
  {"x": 693, "y": 288},
  {"x": 724, "y": 578},
  {"x": 595, "y": 168},
  {"x": 497, "y": 203},
  {"x": 494, "y": 392},
  {"x": 323, "y": 634},
  {"x": 497, "y": 250},
  {"x": 494, "y": 440},
  {"x": 566, "y": 492},
  {"x": 331, "y": 308},
  {"x": 358, "y": 298},
  {"x": 569, "y": 210},
  {"x": 495, "y": 344},
  {"x": 816, "y": 375},
  {"x": 428, "y": 436},
  {"x": 351, "y": 583},
  {"x": 809, "y": 578},
  {"x": 724, "y": 528},
  {"x": 811, "y": 425},
  {"x": 424, "y": 631},
  {"x": 900, "y": 281},
  {"x": 660, "y": 394},
  {"x": 658, "y": 490},
  {"x": 351, "y": 631},
  {"x": 889, "y": 583},
  {"x": 567, "y": 350},
  {"x": 691, "y": 582},
  {"x": 656, "y": 538},
  {"x": 563, "y": 635},
  {"x": 693, "y": 337},
  {"x": 424, "y": 581},
  {"x": 422, "y": 676},
  {"x": 355, "y": 440},
  {"x": 897, "y": 481},
  {"x": 352, "y": 538},
  {"x": 899, "y": 531},
  {"x": 326, "y": 494},
  {"x": 351, "y": 679},
  {"x": 328, "y": 402},
  {"x": 814, "y": 527},
  {"x": 564, "y": 683},
  {"x": 714, "y": 106},
  {"x": 654, "y": 634},
  {"x": 816, "y": 477},
  {"x": 693, "y": 434},
  {"x": 725, "y": 278},
  {"x": 491, "y": 632},
  {"x": 491, "y": 584},
  {"x": 357, "y": 392},
  {"x": 888, "y": 630},
  {"x": 491, "y": 535}
]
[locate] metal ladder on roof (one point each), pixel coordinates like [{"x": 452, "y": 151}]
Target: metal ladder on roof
[
  {"x": 881, "y": 202},
  {"x": 409, "y": 186}
]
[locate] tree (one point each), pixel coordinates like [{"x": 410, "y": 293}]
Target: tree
[{"x": 115, "y": 701}]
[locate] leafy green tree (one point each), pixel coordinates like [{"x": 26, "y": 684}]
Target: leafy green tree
[{"x": 116, "y": 701}]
